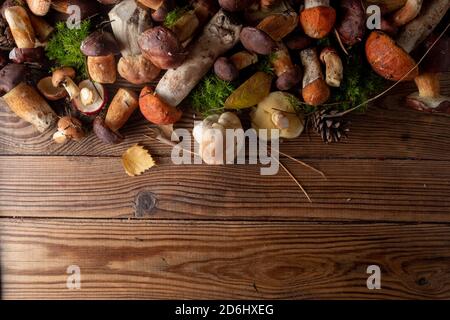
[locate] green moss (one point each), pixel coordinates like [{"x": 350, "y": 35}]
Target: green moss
[
  {"x": 210, "y": 95},
  {"x": 64, "y": 47},
  {"x": 173, "y": 16}
]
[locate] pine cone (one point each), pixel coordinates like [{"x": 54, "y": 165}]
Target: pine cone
[{"x": 330, "y": 129}]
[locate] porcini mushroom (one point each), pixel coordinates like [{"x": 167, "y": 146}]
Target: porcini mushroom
[
  {"x": 69, "y": 128},
  {"x": 23, "y": 99},
  {"x": 128, "y": 21},
  {"x": 210, "y": 134},
  {"x": 429, "y": 97},
  {"x": 315, "y": 90},
  {"x": 100, "y": 47},
  {"x": 20, "y": 25},
  {"x": 334, "y": 69},
  {"x": 92, "y": 98},
  {"x": 62, "y": 77},
  {"x": 277, "y": 112},
  {"x": 162, "y": 47},
  {"x": 317, "y": 18},
  {"x": 219, "y": 35},
  {"x": 155, "y": 109},
  {"x": 288, "y": 74},
  {"x": 39, "y": 7},
  {"x": 123, "y": 105},
  {"x": 137, "y": 70}
]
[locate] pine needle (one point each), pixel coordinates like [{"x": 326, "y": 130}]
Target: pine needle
[
  {"x": 301, "y": 162},
  {"x": 294, "y": 178}
]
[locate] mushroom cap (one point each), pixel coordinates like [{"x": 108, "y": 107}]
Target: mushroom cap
[
  {"x": 156, "y": 110},
  {"x": 388, "y": 59},
  {"x": 316, "y": 93},
  {"x": 162, "y": 47},
  {"x": 71, "y": 127},
  {"x": 326, "y": 51},
  {"x": 11, "y": 75},
  {"x": 289, "y": 79},
  {"x": 60, "y": 74},
  {"x": 50, "y": 92},
  {"x": 257, "y": 41},
  {"x": 438, "y": 59},
  {"x": 99, "y": 43},
  {"x": 439, "y": 104},
  {"x": 317, "y": 22}
]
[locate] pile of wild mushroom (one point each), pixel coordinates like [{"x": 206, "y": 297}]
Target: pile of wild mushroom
[{"x": 280, "y": 56}]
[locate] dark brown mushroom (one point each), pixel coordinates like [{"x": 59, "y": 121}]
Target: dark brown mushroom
[{"x": 257, "y": 41}]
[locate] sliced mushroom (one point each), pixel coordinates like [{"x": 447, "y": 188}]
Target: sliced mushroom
[{"x": 92, "y": 98}]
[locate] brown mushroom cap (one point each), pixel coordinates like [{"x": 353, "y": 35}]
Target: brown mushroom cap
[
  {"x": 317, "y": 22},
  {"x": 50, "y": 92},
  {"x": 99, "y": 43},
  {"x": 225, "y": 69},
  {"x": 10, "y": 76},
  {"x": 389, "y": 60},
  {"x": 257, "y": 41},
  {"x": 59, "y": 75},
  {"x": 162, "y": 47},
  {"x": 289, "y": 79},
  {"x": 71, "y": 127}
]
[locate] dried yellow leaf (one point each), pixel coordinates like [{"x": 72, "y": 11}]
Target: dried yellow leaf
[{"x": 136, "y": 160}]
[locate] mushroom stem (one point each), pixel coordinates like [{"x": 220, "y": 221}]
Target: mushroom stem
[
  {"x": 408, "y": 12},
  {"x": 71, "y": 88},
  {"x": 316, "y": 3},
  {"x": 428, "y": 84},
  {"x": 334, "y": 68},
  {"x": 280, "y": 120},
  {"x": 416, "y": 31},
  {"x": 315, "y": 90},
  {"x": 20, "y": 24}
]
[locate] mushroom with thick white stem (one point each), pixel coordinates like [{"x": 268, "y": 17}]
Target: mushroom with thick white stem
[
  {"x": 429, "y": 98},
  {"x": 334, "y": 69},
  {"x": 23, "y": 99},
  {"x": 318, "y": 18},
  {"x": 210, "y": 134},
  {"x": 315, "y": 90},
  {"x": 100, "y": 47},
  {"x": 21, "y": 28},
  {"x": 63, "y": 77},
  {"x": 277, "y": 112}
]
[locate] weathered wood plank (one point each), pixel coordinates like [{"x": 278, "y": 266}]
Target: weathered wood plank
[
  {"x": 388, "y": 130},
  {"x": 393, "y": 190},
  {"x": 222, "y": 260}
]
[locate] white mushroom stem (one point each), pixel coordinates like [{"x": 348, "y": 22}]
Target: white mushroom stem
[
  {"x": 71, "y": 88},
  {"x": 428, "y": 85},
  {"x": 280, "y": 120},
  {"x": 311, "y": 63},
  {"x": 20, "y": 24},
  {"x": 316, "y": 3},
  {"x": 334, "y": 68},
  {"x": 416, "y": 31},
  {"x": 408, "y": 12}
]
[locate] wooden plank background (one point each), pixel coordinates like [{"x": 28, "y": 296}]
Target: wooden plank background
[{"x": 227, "y": 232}]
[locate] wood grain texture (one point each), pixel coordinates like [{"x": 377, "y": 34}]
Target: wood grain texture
[
  {"x": 389, "y": 130},
  {"x": 394, "y": 190},
  {"x": 222, "y": 260}
]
